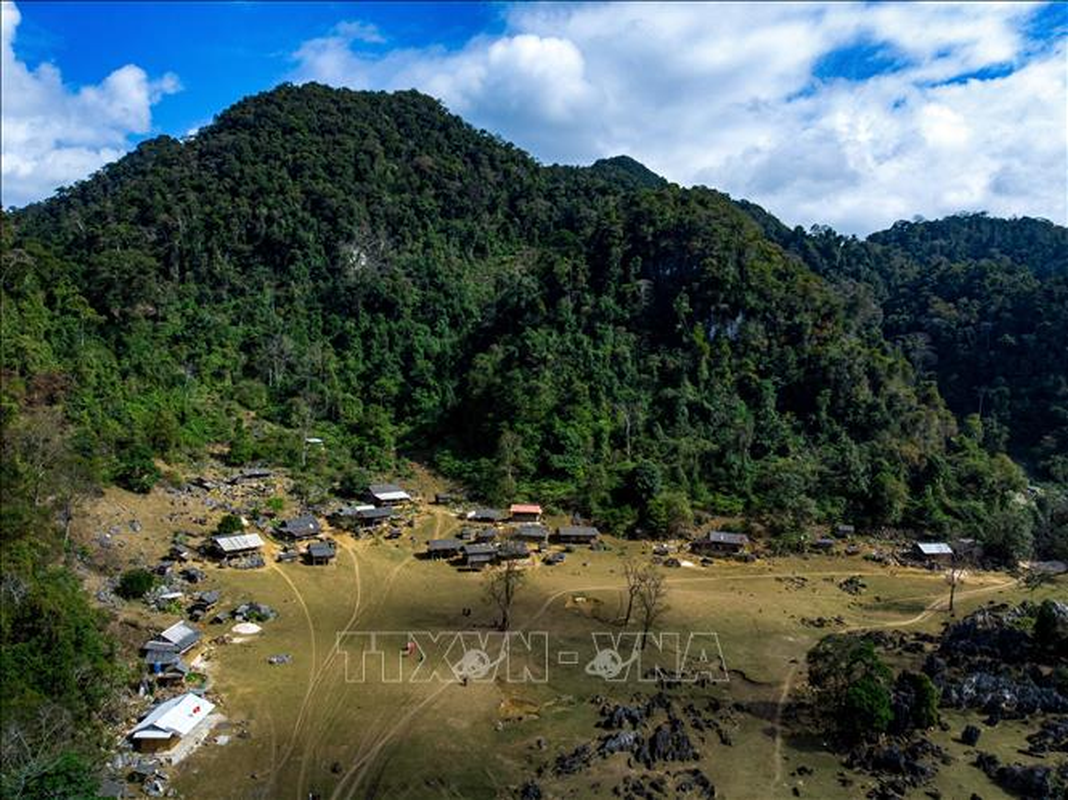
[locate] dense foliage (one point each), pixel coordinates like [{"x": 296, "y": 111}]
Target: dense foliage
[
  {"x": 58, "y": 669},
  {"x": 368, "y": 266},
  {"x": 978, "y": 304}
]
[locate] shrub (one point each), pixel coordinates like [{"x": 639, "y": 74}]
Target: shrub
[
  {"x": 1051, "y": 629},
  {"x": 229, "y": 524},
  {"x": 915, "y": 702},
  {"x": 865, "y": 709},
  {"x": 136, "y": 471},
  {"x": 135, "y": 584}
]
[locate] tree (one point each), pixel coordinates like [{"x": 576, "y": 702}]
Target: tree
[
  {"x": 230, "y": 523},
  {"x": 1051, "y": 627},
  {"x": 865, "y": 708},
  {"x": 632, "y": 573},
  {"x": 502, "y": 584},
  {"x": 915, "y": 702},
  {"x": 669, "y": 514},
  {"x": 955, "y": 576},
  {"x": 651, "y": 597},
  {"x": 135, "y": 584},
  {"x": 136, "y": 470},
  {"x": 849, "y": 683}
]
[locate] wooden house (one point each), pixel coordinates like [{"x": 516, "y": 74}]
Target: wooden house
[
  {"x": 305, "y": 526},
  {"x": 443, "y": 548},
  {"x": 533, "y": 532},
  {"x": 525, "y": 512},
  {"x": 489, "y": 515},
  {"x": 238, "y": 544},
  {"x": 720, "y": 542},
  {"x": 577, "y": 534},
  {"x": 512, "y": 550},
  {"x": 478, "y": 555},
  {"x": 933, "y": 552},
  {"x": 321, "y": 553},
  {"x": 387, "y": 494}
]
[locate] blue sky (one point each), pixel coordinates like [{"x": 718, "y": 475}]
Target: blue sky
[
  {"x": 221, "y": 51},
  {"x": 849, "y": 114}
]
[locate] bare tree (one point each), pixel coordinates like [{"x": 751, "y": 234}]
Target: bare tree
[
  {"x": 652, "y": 599},
  {"x": 75, "y": 486},
  {"x": 38, "y": 442},
  {"x": 502, "y": 583},
  {"x": 955, "y": 576},
  {"x": 632, "y": 572}
]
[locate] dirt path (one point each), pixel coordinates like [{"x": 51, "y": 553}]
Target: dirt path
[
  {"x": 312, "y": 740},
  {"x": 311, "y": 674},
  {"x": 787, "y": 685},
  {"x": 357, "y": 771}
]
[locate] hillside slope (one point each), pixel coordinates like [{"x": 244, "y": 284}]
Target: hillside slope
[
  {"x": 978, "y": 304},
  {"x": 371, "y": 266}
]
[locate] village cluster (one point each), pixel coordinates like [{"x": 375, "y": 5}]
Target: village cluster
[{"x": 486, "y": 536}]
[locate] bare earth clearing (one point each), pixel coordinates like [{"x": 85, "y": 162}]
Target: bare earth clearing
[{"x": 312, "y": 731}]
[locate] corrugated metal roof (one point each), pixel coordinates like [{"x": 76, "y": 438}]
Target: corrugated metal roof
[
  {"x": 181, "y": 635},
  {"x": 525, "y": 508},
  {"x": 935, "y": 548},
  {"x": 179, "y": 715},
  {"x": 723, "y": 537},
  {"x": 388, "y": 491},
  {"x": 238, "y": 542}
]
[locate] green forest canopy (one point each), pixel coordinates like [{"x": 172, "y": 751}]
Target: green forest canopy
[{"x": 370, "y": 265}]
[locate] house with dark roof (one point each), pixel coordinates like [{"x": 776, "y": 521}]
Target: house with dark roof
[
  {"x": 577, "y": 534},
  {"x": 720, "y": 542},
  {"x": 443, "y": 548},
  {"x": 347, "y": 517},
  {"x": 320, "y": 553},
  {"x": 512, "y": 550},
  {"x": 478, "y": 555},
  {"x": 302, "y": 527},
  {"x": 490, "y": 515},
  {"x": 532, "y": 532}
]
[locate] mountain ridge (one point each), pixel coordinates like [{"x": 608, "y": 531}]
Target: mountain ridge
[{"x": 370, "y": 264}]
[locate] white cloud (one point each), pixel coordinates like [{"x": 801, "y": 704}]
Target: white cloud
[
  {"x": 53, "y": 135},
  {"x": 728, "y": 95}
]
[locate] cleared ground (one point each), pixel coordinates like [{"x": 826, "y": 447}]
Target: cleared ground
[{"x": 313, "y": 731}]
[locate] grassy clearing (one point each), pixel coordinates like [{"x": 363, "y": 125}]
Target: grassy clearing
[{"x": 311, "y": 730}]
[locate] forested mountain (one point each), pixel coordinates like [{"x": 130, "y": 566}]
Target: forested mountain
[
  {"x": 976, "y": 303},
  {"x": 370, "y": 265}
]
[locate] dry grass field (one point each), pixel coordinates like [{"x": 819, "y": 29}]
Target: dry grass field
[{"x": 314, "y": 731}]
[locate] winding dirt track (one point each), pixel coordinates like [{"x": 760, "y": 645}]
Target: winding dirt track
[{"x": 371, "y": 746}]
